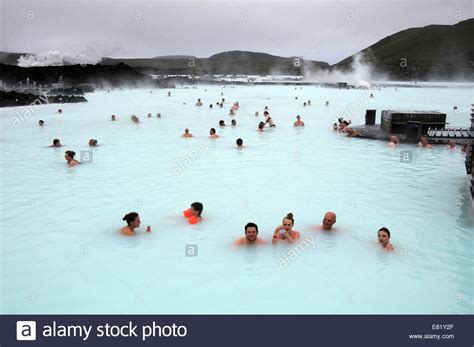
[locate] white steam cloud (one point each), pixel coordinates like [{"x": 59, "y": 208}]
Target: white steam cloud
[
  {"x": 57, "y": 58},
  {"x": 360, "y": 74}
]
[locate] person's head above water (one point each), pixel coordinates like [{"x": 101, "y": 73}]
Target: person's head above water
[
  {"x": 41, "y": 122},
  {"x": 298, "y": 117},
  {"x": 113, "y": 117},
  {"x": 132, "y": 219},
  {"x": 266, "y": 113},
  {"x": 56, "y": 143},
  {"x": 329, "y": 220},
  {"x": 186, "y": 130},
  {"x": 251, "y": 231},
  {"x": 394, "y": 139},
  {"x": 233, "y": 122},
  {"x": 196, "y": 209},
  {"x": 384, "y": 236},
  {"x": 288, "y": 221},
  {"x": 261, "y": 125},
  {"x": 212, "y": 131},
  {"x": 221, "y": 123},
  {"x": 239, "y": 142},
  {"x": 92, "y": 142},
  {"x": 69, "y": 155}
]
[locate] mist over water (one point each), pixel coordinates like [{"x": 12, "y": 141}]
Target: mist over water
[
  {"x": 58, "y": 58},
  {"x": 61, "y": 227},
  {"x": 360, "y": 74}
]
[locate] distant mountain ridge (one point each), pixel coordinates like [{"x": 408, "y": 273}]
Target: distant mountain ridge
[
  {"x": 232, "y": 62},
  {"x": 434, "y": 51}
]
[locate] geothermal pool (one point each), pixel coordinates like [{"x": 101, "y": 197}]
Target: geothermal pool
[{"x": 61, "y": 251}]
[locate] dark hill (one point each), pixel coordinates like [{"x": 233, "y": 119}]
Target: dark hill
[
  {"x": 434, "y": 51},
  {"x": 233, "y": 62},
  {"x": 119, "y": 75}
]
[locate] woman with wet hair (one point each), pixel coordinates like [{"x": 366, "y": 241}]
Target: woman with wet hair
[
  {"x": 285, "y": 232},
  {"x": 384, "y": 239},
  {"x": 69, "y": 156},
  {"x": 133, "y": 222}
]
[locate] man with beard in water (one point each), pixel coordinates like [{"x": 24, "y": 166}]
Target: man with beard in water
[{"x": 251, "y": 236}]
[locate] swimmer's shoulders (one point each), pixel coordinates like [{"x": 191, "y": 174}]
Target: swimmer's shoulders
[
  {"x": 126, "y": 231},
  {"x": 239, "y": 242}
]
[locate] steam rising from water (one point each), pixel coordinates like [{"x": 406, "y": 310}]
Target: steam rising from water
[
  {"x": 57, "y": 58},
  {"x": 360, "y": 74}
]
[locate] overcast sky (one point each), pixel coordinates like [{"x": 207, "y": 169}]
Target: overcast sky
[{"x": 319, "y": 30}]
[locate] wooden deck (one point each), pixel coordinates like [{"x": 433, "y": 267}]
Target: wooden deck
[{"x": 450, "y": 134}]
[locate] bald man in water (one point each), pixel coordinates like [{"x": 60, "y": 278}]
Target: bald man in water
[{"x": 329, "y": 220}]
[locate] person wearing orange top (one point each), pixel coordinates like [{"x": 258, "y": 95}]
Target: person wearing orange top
[
  {"x": 193, "y": 214},
  {"x": 285, "y": 232}
]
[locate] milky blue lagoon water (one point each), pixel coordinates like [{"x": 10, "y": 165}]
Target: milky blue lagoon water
[{"x": 61, "y": 251}]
